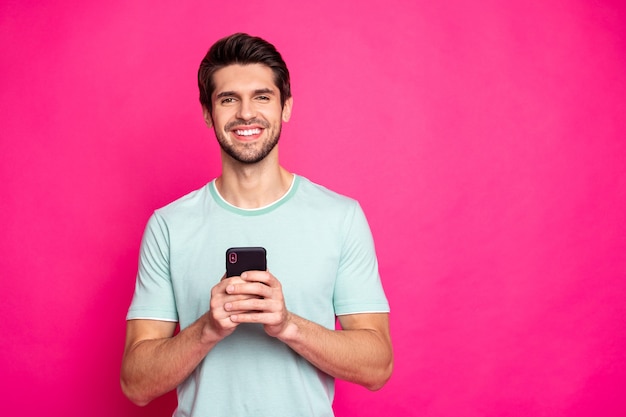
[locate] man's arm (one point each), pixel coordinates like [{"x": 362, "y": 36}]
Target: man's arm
[
  {"x": 155, "y": 361},
  {"x": 360, "y": 353}
]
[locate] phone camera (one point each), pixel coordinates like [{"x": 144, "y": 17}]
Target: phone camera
[{"x": 232, "y": 257}]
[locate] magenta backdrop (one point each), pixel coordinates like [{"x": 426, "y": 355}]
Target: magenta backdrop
[{"x": 485, "y": 140}]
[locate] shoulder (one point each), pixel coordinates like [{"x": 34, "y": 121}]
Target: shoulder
[
  {"x": 318, "y": 193},
  {"x": 324, "y": 206},
  {"x": 182, "y": 216},
  {"x": 187, "y": 205}
]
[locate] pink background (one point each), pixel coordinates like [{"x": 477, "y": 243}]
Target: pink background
[{"x": 485, "y": 141}]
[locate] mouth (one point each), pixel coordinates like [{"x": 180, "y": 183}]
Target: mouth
[{"x": 248, "y": 132}]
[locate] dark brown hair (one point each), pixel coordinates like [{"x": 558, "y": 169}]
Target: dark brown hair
[{"x": 241, "y": 49}]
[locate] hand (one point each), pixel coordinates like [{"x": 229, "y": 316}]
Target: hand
[
  {"x": 219, "y": 320},
  {"x": 261, "y": 301}
]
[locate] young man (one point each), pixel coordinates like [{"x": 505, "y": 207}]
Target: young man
[{"x": 263, "y": 343}]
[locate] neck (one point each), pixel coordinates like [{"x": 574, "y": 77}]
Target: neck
[{"x": 255, "y": 185}]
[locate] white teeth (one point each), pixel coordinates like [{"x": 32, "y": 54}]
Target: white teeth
[{"x": 248, "y": 132}]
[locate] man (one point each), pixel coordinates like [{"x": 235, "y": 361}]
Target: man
[{"x": 263, "y": 343}]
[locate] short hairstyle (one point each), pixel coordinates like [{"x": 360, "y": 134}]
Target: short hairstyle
[{"x": 242, "y": 49}]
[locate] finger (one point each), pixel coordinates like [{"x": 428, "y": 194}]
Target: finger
[
  {"x": 257, "y": 276},
  {"x": 237, "y": 307},
  {"x": 252, "y": 289},
  {"x": 268, "y": 319},
  {"x": 263, "y": 305},
  {"x": 229, "y": 280}
]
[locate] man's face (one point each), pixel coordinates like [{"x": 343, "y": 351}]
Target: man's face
[{"x": 247, "y": 115}]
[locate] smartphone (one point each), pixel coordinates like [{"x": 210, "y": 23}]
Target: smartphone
[{"x": 239, "y": 260}]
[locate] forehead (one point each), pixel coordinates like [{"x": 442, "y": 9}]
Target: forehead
[{"x": 243, "y": 78}]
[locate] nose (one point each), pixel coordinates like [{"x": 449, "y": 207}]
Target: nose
[{"x": 246, "y": 110}]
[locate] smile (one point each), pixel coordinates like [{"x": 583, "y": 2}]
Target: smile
[{"x": 248, "y": 132}]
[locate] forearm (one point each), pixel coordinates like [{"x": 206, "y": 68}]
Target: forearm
[
  {"x": 363, "y": 356},
  {"x": 360, "y": 353},
  {"x": 153, "y": 367}
]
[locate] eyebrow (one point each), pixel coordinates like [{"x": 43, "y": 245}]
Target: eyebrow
[{"x": 268, "y": 91}]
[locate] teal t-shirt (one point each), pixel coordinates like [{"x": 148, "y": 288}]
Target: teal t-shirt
[{"x": 319, "y": 246}]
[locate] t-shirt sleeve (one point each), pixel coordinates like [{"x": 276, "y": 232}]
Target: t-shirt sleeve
[
  {"x": 154, "y": 295},
  {"x": 358, "y": 288}
]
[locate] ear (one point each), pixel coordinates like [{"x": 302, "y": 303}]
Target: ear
[
  {"x": 287, "y": 109},
  {"x": 207, "y": 117}
]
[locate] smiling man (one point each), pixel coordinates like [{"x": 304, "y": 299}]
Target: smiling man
[
  {"x": 250, "y": 113},
  {"x": 263, "y": 343}
]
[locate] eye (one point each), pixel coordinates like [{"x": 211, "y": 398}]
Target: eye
[
  {"x": 227, "y": 100},
  {"x": 263, "y": 98}
]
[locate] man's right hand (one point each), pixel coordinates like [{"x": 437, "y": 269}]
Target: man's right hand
[{"x": 218, "y": 319}]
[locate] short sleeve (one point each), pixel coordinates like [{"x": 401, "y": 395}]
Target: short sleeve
[
  {"x": 358, "y": 288},
  {"x": 154, "y": 295}
]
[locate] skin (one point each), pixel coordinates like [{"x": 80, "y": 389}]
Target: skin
[{"x": 155, "y": 360}]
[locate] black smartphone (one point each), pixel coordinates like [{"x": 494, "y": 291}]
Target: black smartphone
[{"x": 239, "y": 260}]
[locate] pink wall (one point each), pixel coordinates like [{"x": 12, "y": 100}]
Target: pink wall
[{"x": 485, "y": 140}]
